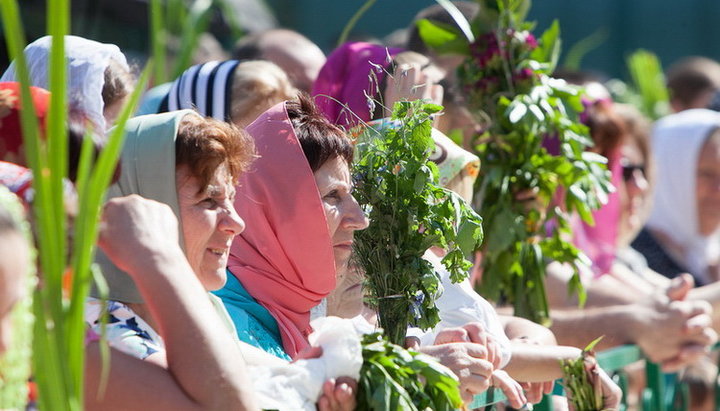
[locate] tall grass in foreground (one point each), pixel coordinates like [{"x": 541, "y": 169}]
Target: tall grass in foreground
[{"x": 59, "y": 333}]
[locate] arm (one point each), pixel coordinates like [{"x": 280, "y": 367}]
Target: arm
[
  {"x": 601, "y": 292},
  {"x": 205, "y": 368},
  {"x": 539, "y": 363},
  {"x": 517, "y": 328},
  {"x": 674, "y": 333}
]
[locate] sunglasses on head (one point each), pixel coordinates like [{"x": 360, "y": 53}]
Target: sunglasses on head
[{"x": 630, "y": 169}]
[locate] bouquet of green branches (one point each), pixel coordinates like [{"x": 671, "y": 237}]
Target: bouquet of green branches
[
  {"x": 392, "y": 378},
  {"x": 533, "y": 146},
  {"x": 581, "y": 382},
  {"x": 409, "y": 212}
]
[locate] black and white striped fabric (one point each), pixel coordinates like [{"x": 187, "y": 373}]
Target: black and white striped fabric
[{"x": 205, "y": 87}]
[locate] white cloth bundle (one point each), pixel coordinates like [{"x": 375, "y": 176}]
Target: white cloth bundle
[{"x": 298, "y": 385}]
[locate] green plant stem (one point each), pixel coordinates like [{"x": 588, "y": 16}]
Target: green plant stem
[
  {"x": 353, "y": 21},
  {"x": 393, "y": 318},
  {"x": 158, "y": 42}
]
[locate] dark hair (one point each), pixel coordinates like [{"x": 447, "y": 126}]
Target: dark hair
[
  {"x": 320, "y": 140},
  {"x": 607, "y": 128},
  {"x": 119, "y": 83},
  {"x": 77, "y": 133},
  {"x": 247, "y": 48},
  {"x": 691, "y": 77},
  {"x": 437, "y": 14},
  {"x": 204, "y": 144}
]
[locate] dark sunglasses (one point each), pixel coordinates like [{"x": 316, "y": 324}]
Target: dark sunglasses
[{"x": 630, "y": 169}]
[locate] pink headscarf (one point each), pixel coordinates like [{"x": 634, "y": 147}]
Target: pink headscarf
[
  {"x": 599, "y": 241},
  {"x": 284, "y": 258},
  {"x": 351, "y": 73}
]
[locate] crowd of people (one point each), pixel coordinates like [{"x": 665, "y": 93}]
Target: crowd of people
[{"x": 228, "y": 227}]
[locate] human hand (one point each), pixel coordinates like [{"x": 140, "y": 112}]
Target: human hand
[
  {"x": 338, "y": 395},
  {"x": 679, "y": 287},
  {"x": 473, "y": 332},
  {"x": 467, "y": 361},
  {"x": 511, "y": 388},
  {"x": 603, "y": 386},
  {"x": 674, "y": 334},
  {"x": 135, "y": 230},
  {"x": 410, "y": 82}
]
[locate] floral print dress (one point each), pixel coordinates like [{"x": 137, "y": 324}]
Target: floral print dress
[{"x": 126, "y": 331}]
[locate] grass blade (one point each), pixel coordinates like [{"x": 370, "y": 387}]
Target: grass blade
[
  {"x": 460, "y": 20},
  {"x": 158, "y": 42},
  {"x": 353, "y": 21}
]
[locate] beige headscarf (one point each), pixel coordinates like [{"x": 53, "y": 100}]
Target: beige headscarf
[{"x": 148, "y": 170}]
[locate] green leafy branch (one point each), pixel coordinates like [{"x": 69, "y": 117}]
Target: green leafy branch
[
  {"x": 536, "y": 168},
  {"x": 409, "y": 212},
  {"x": 581, "y": 382},
  {"x": 392, "y": 378}
]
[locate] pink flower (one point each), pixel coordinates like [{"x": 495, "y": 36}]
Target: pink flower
[{"x": 531, "y": 41}]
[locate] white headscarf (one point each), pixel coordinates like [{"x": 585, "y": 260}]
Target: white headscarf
[
  {"x": 676, "y": 143},
  {"x": 87, "y": 61}
]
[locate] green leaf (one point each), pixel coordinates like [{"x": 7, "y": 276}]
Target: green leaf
[
  {"x": 516, "y": 111},
  {"x": 459, "y": 19},
  {"x": 469, "y": 236},
  {"x": 442, "y": 38},
  {"x": 195, "y": 24},
  {"x": 548, "y": 50}
]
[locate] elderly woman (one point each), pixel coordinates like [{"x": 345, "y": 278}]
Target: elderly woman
[
  {"x": 99, "y": 78},
  {"x": 681, "y": 234},
  {"x": 159, "y": 273},
  {"x": 304, "y": 215},
  {"x": 358, "y": 71}
]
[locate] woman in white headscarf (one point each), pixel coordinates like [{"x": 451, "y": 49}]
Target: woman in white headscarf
[
  {"x": 682, "y": 232},
  {"x": 99, "y": 78}
]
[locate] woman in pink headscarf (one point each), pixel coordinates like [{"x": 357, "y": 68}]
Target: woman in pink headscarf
[{"x": 304, "y": 215}]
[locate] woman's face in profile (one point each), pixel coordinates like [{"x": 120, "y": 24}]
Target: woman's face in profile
[
  {"x": 209, "y": 223},
  {"x": 342, "y": 212},
  {"x": 707, "y": 186}
]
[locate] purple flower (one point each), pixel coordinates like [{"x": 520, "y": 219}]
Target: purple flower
[{"x": 531, "y": 41}]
